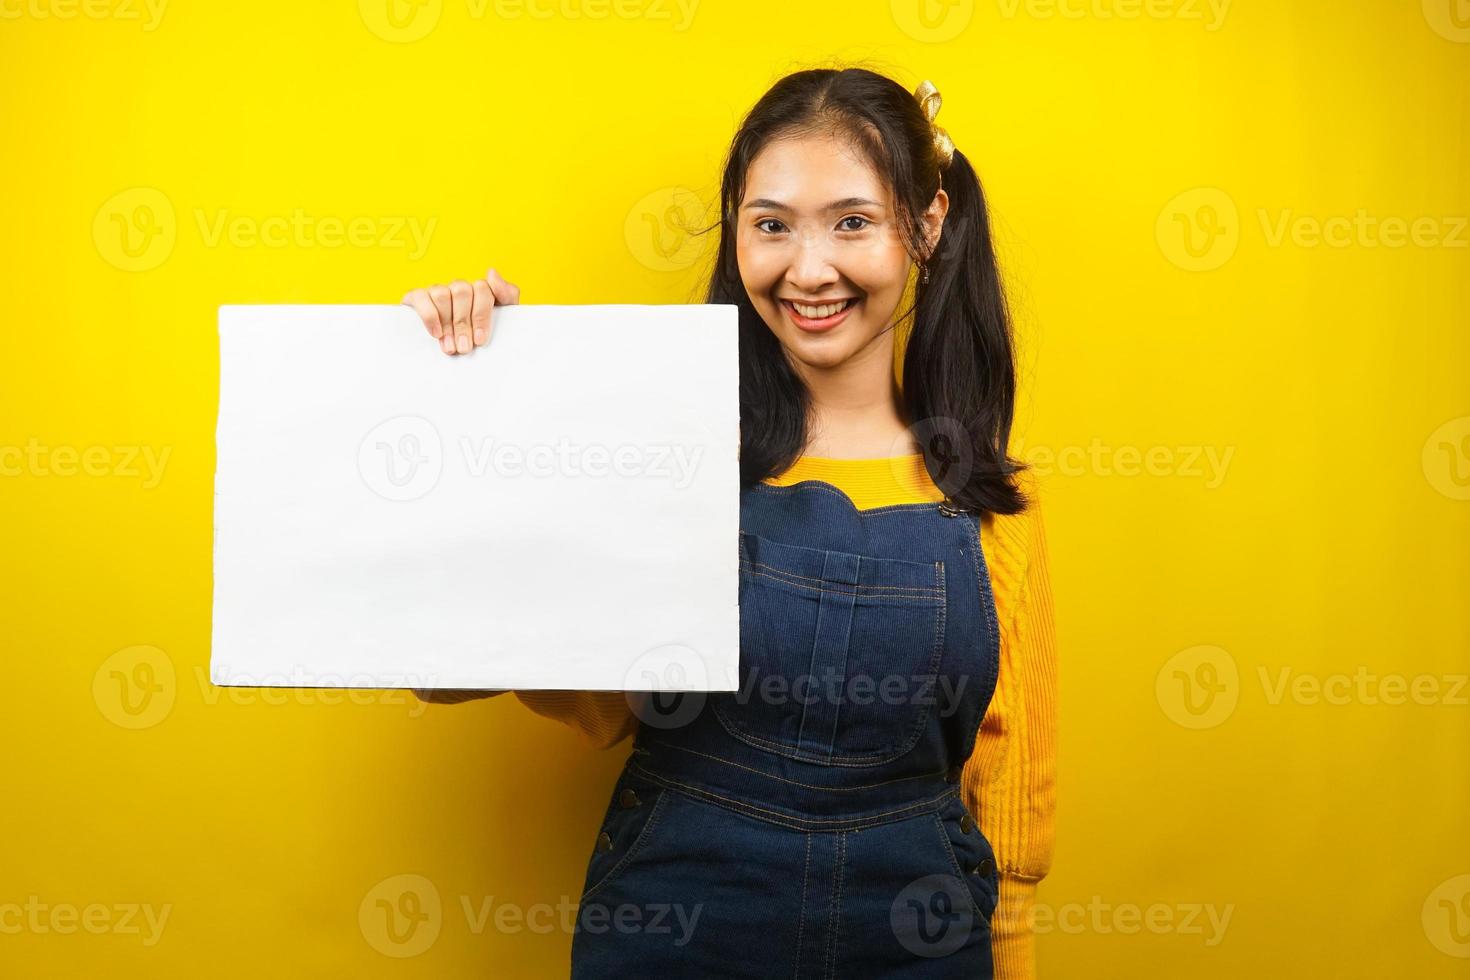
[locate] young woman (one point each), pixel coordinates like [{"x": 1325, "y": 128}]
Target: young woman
[{"x": 878, "y": 798}]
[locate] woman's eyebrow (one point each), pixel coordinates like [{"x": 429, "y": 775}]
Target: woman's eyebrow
[{"x": 847, "y": 202}]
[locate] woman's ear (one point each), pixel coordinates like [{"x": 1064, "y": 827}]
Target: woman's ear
[{"x": 934, "y": 219}]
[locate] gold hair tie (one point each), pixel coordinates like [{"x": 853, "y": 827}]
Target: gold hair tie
[{"x": 930, "y": 101}]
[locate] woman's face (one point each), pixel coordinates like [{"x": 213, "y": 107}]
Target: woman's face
[{"x": 820, "y": 250}]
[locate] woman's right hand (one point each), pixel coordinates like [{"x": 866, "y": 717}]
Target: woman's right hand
[{"x": 459, "y": 316}]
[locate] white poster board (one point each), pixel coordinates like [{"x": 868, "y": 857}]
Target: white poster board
[{"x": 556, "y": 509}]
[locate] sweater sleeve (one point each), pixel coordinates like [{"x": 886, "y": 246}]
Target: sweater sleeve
[
  {"x": 1009, "y": 781},
  {"x": 602, "y": 718}
]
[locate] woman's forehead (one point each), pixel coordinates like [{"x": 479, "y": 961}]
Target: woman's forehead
[{"x": 807, "y": 173}]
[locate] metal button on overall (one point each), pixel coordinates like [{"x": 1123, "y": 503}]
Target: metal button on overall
[
  {"x": 604, "y": 842},
  {"x": 628, "y": 798},
  {"x": 984, "y": 868},
  {"x": 967, "y": 823}
]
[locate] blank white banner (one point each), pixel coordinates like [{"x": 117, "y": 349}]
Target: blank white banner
[{"x": 556, "y": 509}]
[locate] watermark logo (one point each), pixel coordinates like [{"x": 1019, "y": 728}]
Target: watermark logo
[
  {"x": 1446, "y": 916},
  {"x": 401, "y": 458},
  {"x": 1446, "y": 458},
  {"x": 401, "y": 916},
  {"x": 135, "y": 687},
  {"x": 949, "y": 452},
  {"x": 405, "y": 21},
  {"x": 36, "y": 917},
  {"x": 1208, "y": 464},
  {"x": 662, "y": 229},
  {"x": 1198, "y": 687},
  {"x": 299, "y": 686},
  {"x": 1450, "y": 19},
  {"x": 1363, "y": 686},
  {"x": 1199, "y": 230},
  {"x": 932, "y": 916},
  {"x": 147, "y": 13},
  {"x": 932, "y": 21},
  {"x": 1205, "y": 920},
  {"x": 400, "y": 21},
  {"x": 36, "y": 459},
  {"x": 661, "y": 684},
  {"x": 135, "y": 230},
  {"x": 1209, "y": 13}
]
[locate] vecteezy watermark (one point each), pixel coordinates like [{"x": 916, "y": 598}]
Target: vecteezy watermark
[
  {"x": 405, "y": 21},
  {"x": 835, "y": 687},
  {"x": 1200, "y": 229},
  {"x": 1199, "y": 462},
  {"x": 402, "y": 459},
  {"x": 1362, "y": 229},
  {"x": 302, "y": 687},
  {"x": 1363, "y": 686},
  {"x": 302, "y": 230},
  {"x": 142, "y": 919},
  {"x": 933, "y": 916},
  {"x": 1446, "y": 916},
  {"x": 1450, "y": 19},
  {"x": 147, "y": 13},
  {"x": 932, "y": 21},
  {"x": 1446, "y": 458},
  {"x": 37, "y": 459},
  {"x": 404, "y": 915},
  {"x": 136, "y": 230},
  {"x": 135, "y": 687},
  {"x": 653, "y": 918},
  {"x": 401, "y": 916},
  {"x": 666, "y": 685},
  {"x": 1200, "y": 687},
  {"x": 1204, "y": 919},
  {"x": 662, "y": 229},
  {"x": 1209, "y": 13}
]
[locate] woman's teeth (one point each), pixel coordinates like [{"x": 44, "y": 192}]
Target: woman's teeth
[{"x": 819, "y": 312}]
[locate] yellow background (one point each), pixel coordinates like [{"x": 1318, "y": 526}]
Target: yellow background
[{"x": 1156, "y": 171}]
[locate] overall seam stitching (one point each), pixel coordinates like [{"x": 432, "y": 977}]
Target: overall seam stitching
[{"x": 801, "y": 917}]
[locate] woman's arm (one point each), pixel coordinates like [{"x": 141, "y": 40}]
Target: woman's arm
[
  {"x": 603, "y": 718},
  {"x": 1010, "y": 780},
  {"x": 452, "y": 695}
]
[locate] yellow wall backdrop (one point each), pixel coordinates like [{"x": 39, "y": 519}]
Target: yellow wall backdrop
[{"x": 1237, "y": 234}]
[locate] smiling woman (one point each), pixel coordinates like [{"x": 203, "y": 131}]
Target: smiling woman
[{"x": 893, "y": 817}]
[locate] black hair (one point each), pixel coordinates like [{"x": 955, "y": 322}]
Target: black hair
[{"x": 959, "y": 373}]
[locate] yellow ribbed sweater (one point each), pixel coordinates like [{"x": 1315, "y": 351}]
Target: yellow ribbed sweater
[{"x": 1009, "y": 782}]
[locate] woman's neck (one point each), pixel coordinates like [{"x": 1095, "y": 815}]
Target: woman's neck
[{"x": 857, "y": 407}]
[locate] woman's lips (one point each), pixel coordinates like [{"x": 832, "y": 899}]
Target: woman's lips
[{"x": 825, "y": 323}]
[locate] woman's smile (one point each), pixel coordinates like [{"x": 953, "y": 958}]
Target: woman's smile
[{"x": 820, "y": 316}]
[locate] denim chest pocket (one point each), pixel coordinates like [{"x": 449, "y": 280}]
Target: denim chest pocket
[{"x": 840, "y": 652}]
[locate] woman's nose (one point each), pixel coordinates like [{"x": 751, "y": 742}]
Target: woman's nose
[{"x": 811, "y": 266}]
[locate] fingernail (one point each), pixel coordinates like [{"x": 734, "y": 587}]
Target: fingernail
[
  {"x": 447, "y": 344},
  {"x": 463, "y": 343},
  {"x": 479, "y": 337}
]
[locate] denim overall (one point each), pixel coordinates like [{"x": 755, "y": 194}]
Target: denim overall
[{"x": 811, "y": 824}]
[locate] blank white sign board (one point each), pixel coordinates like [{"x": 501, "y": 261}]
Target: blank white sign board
[{"x": 556, "y": 509}]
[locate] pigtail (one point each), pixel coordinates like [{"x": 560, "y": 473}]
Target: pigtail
[{"x": 959, "y": 369}]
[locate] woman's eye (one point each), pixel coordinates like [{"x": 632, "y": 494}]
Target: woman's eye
[
  {"x": 768, "y": 221},
  {"x": 853, "y": 217}
]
